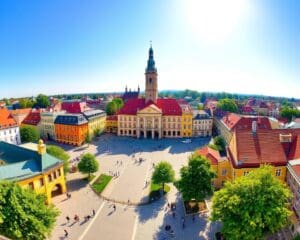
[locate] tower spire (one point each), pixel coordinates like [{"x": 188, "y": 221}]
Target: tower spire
[{"x": 151, "y": 63}]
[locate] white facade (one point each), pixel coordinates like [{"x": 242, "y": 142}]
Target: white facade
[{"x": 10, "y": 135}]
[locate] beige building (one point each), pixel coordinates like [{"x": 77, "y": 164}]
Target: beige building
[
  {"x": 202, "y": 124},
  {"x": 47, "y": 129},
  {"x": 150, "y": 117}
]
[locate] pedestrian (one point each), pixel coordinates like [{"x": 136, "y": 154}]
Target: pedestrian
[
  {"x": 193, "y": 218},
  {"x": 76, "y": 218},
  {"x": 68, "y": 218},
  {"x": 173, "y": 214},
  {"x": 66, "y": 233},
  {"x": 94, "y": 213},
  {"x": 114, "y": 207}
]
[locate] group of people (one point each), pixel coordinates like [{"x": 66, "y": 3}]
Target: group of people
[{"x": 77, "y": 219}]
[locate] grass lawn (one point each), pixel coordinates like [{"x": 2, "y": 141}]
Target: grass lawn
[
  {"x": 101, "y": 182},
  {"x": 155, "y": 191}
]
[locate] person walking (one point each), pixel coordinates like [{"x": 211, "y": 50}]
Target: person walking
[
  {"x": 68, "y": 218},
  {"x": 94, "y": 213},
  {"x": 66, "y": 233}
]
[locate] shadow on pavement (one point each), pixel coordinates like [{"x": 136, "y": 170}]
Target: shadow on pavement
[
  {"x": 147, "y": 212},
  {"x": 76, "y": 184},
  {"x": 113, "y": 145}
]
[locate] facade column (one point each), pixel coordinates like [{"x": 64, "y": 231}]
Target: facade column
[
  {"x": 145, "y": 129},
  {"x": 153, "y": 126},
  {"x": 159, "y": 127},
  {"x": 137, "y": 127}
]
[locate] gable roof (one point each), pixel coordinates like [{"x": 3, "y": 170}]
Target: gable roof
[
  {"x": 212, "y": 155},
  {"x": 92, "y": 114},
  {"x": 6, "y": 120},
  {"x": 169, "y": 106},
  {"x": 248, "y": 149},
  {"x": 74, "y": 106},
  {"x": 33, "y": 118}
]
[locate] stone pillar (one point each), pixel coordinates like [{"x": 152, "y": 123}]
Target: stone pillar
[
  {"x": 138, "y": 128},
  {"x": 145, "y": 129}
]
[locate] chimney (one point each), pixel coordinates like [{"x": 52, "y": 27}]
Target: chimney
[{"x": 41, "y": 147}]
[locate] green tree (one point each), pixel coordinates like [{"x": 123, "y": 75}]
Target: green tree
[
  {"x": 111, "y": 108},
  {"x": 88, "y": 164},
  {"x": 289, "y": 113},
  {"x": 119, "y": 102},
  {"x": 88, "y": 138},
  {"x": 219, "y": 141},
  {"x": 227, "y": 105},
  {"x": 163, "y": 173},
  {"x": 252, "y": 205},
  {"x": 29, "y": 134},
  {"x": 60, "y": 153},
  {"x": 97, "y": 132},
  {"x": 42, "y": 101},
  {"x": 26, "y": 103},
  {"x": 24, "y": 214},
  {"x": 196, "y": 179}
]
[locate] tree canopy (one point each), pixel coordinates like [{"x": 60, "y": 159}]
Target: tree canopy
[
  {"x": 289, "y": 113},
  {"x": 29, "y": 134},
  {"x": 60, "y": 153},
  {"x": 111, "y": 108},
  {"x": 196, "y": 179},
  {"x": 42, "y": 101},
  {"x": 88, "y": 164},
  {"x": 24, "y": 214},
  {"x": 119, "y": 102},
  {"x": 227, "y": 105},
  {"x": 26, "y": 103},
  {"x": 252, "y": 205},
  {"x": 163, "y": 173},
  {"x": 219, "y": 141}
]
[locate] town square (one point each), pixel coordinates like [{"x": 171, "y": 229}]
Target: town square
[{"x": 134, "y": 220}]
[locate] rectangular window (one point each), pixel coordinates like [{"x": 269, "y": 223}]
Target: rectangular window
[
  {"x": 59, "y": 173},
  {"x": 31, "y": 186},
  {"x": 41, "y": 182},
  {"x": 224, "y": 172},
  {"x": 49, "y": 178},
  {"x": 278, "y": 172}
]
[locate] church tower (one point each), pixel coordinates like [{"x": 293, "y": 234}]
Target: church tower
[{"x": 151, "y": 78}]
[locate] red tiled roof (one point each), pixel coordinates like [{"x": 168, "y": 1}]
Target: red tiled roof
[
  {"x": 74, "y": 107},
  {"x": 264, "y": 147},
  {"x": 20, "y": 111},
  {"x": 168, "y": 106},
  {"x": 33, "y": 118},
  {"x": 296, "y": 169},
  {"x": 232, "y": 121},
  {"x": 247, "y": 109},
  {"x": 210, "y": 154},
  {"x": 112, "y": 117},
  {"x": 295, "y": 148},
  {"x": 6, "y": 120}
]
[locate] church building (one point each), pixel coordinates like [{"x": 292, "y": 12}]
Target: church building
[{"x": 150, "y": 117}]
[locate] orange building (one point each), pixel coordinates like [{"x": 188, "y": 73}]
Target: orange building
[{"x": 71, "y": 129}]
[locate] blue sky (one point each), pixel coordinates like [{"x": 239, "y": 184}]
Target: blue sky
[{"x": 75, "y": 46}]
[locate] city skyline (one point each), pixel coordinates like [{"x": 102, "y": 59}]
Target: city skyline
[{"x": 247, "y": 47}]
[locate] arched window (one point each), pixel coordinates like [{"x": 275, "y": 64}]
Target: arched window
[{"x": 150, "y": 80}]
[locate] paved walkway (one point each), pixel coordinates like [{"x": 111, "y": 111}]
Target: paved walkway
[{"x": 143, "y": 222}]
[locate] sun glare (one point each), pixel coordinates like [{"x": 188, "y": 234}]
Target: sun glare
[{"x": 214, "y": 20}]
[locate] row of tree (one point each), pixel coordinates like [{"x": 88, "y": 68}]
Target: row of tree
[
  {"x": 289, "y": 113},
  {"x": 249, "y": 207}
]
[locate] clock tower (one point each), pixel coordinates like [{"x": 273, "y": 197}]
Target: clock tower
[{"x": 151, "y": 78}]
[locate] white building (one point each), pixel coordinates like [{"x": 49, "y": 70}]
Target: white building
[
  {"x": 9, "y": 129},
  {"x": 202, "y": 124}
]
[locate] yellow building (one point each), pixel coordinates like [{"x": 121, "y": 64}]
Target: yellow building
[
  {"x": 32, "y": 167},
  {"x": 221, "y": 165},
  {"x": 186, "y": 119},
  {"x": 251, "y": 147},
  {"x": 111, "y": 125},
  {"x": 96, "y": 121}
]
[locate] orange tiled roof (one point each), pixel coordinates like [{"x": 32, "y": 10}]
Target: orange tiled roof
[
  {"x": 33, "y": 118},
  {"x": 296, "y": 169},
  {"x": 6, "y": 120},
  {"x": 210, "y": 154},
  {"x": 250, "y": 150},
  {"x": 20, "y": 111}
]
